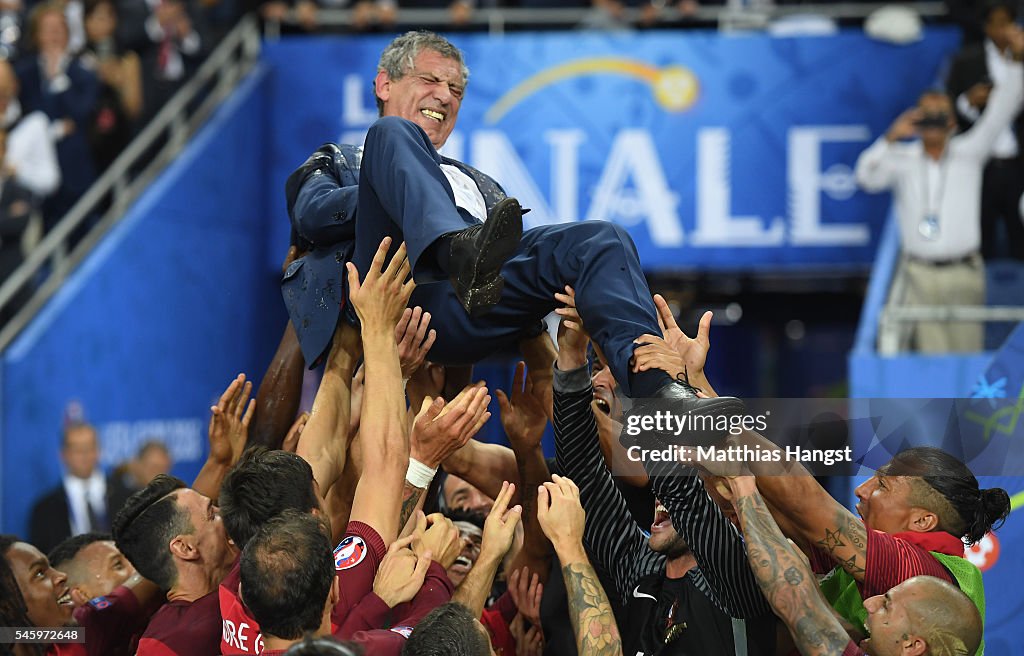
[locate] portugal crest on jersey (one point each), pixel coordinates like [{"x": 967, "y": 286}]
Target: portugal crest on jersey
[{"x": 349, "y": 553}]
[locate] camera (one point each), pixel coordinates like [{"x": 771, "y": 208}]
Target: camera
[{"x": 937, "y": 120}]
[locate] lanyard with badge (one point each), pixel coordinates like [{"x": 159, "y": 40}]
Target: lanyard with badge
[{"x": 929, "y": 226}]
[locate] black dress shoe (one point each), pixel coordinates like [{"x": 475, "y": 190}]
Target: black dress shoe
[
  {"x": 479, "y": 252},
  {"x": 676, "y": 416}
]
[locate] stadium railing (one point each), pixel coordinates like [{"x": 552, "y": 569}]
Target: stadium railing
[{"x": 60, "y": 250}]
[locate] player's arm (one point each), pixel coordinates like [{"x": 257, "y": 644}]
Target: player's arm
[
  {"x": 562, "y": 517},
  {"x": 280, "y": 391},
  {"x": 324, "y": 441},
  {"x": 228, "y": 433},
  {"x": 379, "y": 301},
  {"x": 784, "y": 577},
  {"x": 499, "y": 531},
  {"x": 524, "y": 418},
  {"x": 483, "y": 466},
  {"x": 816, "y": 518},
  {"x": 439, "y": 430}
]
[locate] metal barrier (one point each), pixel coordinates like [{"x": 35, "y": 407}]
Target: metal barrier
[
  {"x": 495, "y": 20},
  {"x": 897, "y": 319},
  {"x": 50, "y": 262}
]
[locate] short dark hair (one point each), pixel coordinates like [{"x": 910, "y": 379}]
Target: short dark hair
[
  {"x": 69, "y": 548},
  {"x": 477, "y": 519},
  {"x": 951, "y": 491},
  {"x": 147, "y": 523},
  {"x": 73, "y": 426},
  {"x": 263, "y": 484},
  {"x": 287, "y": 569},
  {"x": 313, "y": 646},
  {"x": 992, "y": 6},
  {"x": 448, "y": 630},
  {"x": 151, "y": 444}
]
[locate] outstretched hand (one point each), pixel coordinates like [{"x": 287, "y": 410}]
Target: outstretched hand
[
  {"x": 500, "y": 525},
  {"x": 441, "y": 429},
  {"x": 414, "y": 341},
  {"x": 523, "y": 415},
  {"x": 561, "y": 514},
  {"x": 381, "y": 297},
  {"x": 229, "y": 421}
]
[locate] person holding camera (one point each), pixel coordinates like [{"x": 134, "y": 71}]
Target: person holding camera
[{"x": 936, "y": 175}]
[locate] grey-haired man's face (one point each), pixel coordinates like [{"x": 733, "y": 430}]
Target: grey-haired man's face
[{"x": 429, "y": 95}]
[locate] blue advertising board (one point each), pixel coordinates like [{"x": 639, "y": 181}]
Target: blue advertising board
[{"x": 716, "y": 152}]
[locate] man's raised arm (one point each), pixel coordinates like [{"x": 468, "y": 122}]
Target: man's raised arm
[{"x": 383, "y": 430}]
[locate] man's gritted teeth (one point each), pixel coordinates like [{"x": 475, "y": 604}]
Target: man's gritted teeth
[
  {"x": 434, "y": 114},
  {"x": 661, "y": 518}
]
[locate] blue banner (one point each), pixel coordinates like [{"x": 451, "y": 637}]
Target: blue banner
[{"x": 721, "y": 152}]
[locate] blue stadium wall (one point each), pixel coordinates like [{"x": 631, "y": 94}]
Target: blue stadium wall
[{"x": 175, "y": 302}]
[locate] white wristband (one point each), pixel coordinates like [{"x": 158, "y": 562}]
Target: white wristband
[{"x": 419, "y": 475}]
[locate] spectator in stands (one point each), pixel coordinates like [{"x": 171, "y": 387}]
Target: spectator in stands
[
  {"x": 31, "y": 157},
  {"x": 288, "y": 579},
  {"x": 976, "y": 68},
  {"x": 937, "y": 183},
  {"x": 171, "y": 49},
  {"x": 922, "y": 615},
  {"x": 16, "y": 205},
  {"x": 120, "y": 96},
  {"x": 132, "y": 475},
  {"x": 81, "y": 502},
  {"x": 54, "y": 81},
  {"x": 305, "y": 12}
]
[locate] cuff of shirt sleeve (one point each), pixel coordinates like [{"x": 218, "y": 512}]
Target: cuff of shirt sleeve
[
  {"x": 373, "y": 609},
  {"x": 574, "y": 380}
]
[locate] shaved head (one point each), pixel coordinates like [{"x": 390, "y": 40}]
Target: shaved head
[{"x": 947, "y": 618}]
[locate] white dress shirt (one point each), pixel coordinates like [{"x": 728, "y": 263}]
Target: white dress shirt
[
  {"x": 467, "y": 194},
  {"x": 82, "y": 491},
  {"x": 30, "y": 150},
  {"x": 949, "y": 188},
  {"x": 1005, "y": 146}
]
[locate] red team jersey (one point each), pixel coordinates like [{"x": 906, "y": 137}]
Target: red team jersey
[
  {"x": 112, "y": 625},
  {"x": 183, "y": 628},
  {"x": 893, "y": 558},
  {"x": 356, "y": 560},
  {"x": 359, "y": 614}
]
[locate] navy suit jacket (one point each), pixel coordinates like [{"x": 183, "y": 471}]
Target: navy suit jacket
[
  {"x": 322, "y": 196},
  {"x": 77, "y": 102}
]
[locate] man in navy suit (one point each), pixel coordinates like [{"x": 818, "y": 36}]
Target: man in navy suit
[{"x": 486, "y": 282}]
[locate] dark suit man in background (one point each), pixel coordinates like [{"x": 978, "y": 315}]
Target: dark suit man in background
[
  {"x": 81, "y": 502},
  {"x": 976, "y": 68}
]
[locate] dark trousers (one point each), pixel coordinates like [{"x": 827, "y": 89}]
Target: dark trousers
[
  {"x": 1001, "y": 189},
  {"x": 404, "y": 194}
]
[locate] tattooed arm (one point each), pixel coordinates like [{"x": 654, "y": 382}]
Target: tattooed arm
[
  {"x": 784, "y": 577},
  {"x": 808, "y": 509},
  {"x": 562, "y": 518}
]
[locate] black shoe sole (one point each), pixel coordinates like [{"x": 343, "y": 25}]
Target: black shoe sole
[
  {"x": 479, "y": 288},
  {"x": 716, "y": 409}
]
